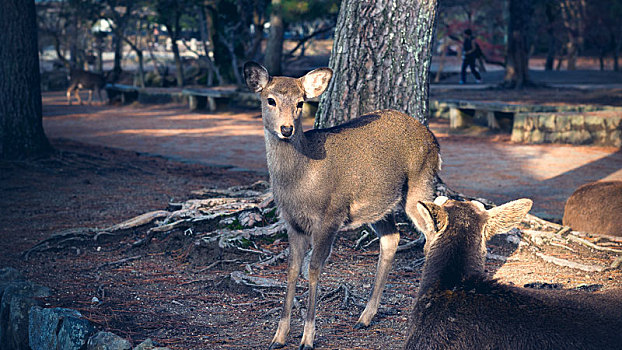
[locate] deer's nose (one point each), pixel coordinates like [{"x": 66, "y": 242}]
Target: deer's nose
[{"x": 287, "y": 131}]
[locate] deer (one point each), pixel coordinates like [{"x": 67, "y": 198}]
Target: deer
[
  {"x": 458, "y": 307},
  {"x": 80, "y": 79},
  {"x": 595, "y": 207},
  {"x": 339, "y": 178}
]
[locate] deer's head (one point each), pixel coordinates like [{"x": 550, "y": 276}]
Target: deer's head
[{"x": 282, "y": 97}]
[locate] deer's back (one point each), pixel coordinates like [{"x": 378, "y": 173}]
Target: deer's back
[
  {"x": 486, "y": 315},
  {"x": 596, "y": 207},
  {"x": 86, "y": 80}
]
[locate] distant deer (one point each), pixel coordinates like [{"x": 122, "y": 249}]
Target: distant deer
[
  {"x": 458, "y": 307},
  {"x": 596, "y": 207},
  {"x": 80, "y": 79},
  {"x": 341, "y": 177}
]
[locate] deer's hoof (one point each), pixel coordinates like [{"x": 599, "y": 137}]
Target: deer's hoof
[
  {"x": 276, "y": 346},
  {"x": 305, "y": 347},
  {"x": 360, "y": 325}
]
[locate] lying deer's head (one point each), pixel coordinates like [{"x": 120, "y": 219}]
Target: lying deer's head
[
  {"x": 282, "y": 97},
  {"x": 468, "y": 224}
]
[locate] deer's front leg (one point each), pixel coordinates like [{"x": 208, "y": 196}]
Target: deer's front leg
[
  {"x": 322, "y": 244},
  {"x": 389, "y": 239},
  {"x": 298, "y": 244}
]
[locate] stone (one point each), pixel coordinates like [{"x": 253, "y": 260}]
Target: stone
[
  {"x": 74, "y": 333},
  {"x": 536, "y": 136},
  {"x": 577, "y": 122},
  {"x": 579, "y": 137},
  {"x": 517, "y": 135},
  {"x": 17, "y": 299},
  {"x": 615, "y": 138},
  {"x": 107, "y": 341},
  {"x": 546, "y": 122},
  {"x": 148, "y": 344},
  {"x": 562, "y": 122},
  {"x": 594, "y": 123},
  {"x": 613, "y": 123},
  {"x": 43, "y": 326}
]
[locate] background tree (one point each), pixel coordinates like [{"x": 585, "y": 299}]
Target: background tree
[
  {"x": 274, "y": 45},
  {"x": 21, "y": 130},
  {"x": 517, "y": 59},
  {"x": 381, "y": 59},
  {"x": 169, "y": 14}
]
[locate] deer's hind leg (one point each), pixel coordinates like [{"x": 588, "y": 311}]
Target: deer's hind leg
[
  {"x": 389, "y": 239},
  {"x": 418, "y": 191},
  {"x": 298, "y": 245}
]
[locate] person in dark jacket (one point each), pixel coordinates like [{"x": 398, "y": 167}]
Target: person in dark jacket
[{"x": 470, "y": 51}]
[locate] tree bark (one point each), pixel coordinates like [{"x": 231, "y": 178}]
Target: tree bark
[
  {"x": 21, "y": 129},
  {"x": 550, "y": 11},
  {"x": 274, "y": 46},
  {"x": 381, "y": 59},
  {"x": 173, "y": 33},
  {"x": 517, "y": 65}
]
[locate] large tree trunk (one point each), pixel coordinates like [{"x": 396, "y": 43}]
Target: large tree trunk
[
  {"x": 21, "y": 129},
  {"x": 517, "y": 65},
  {"x": 117, "y": 43},
  {"x": 381, "y": 59},
  {"x": 274, "y": 46}
]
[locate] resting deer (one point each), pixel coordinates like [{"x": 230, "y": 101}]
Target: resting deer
[
  {"x": 596, "y": 207},
  {"x": 458, "y": 307},
  {"x": 80, "y": 79},
  {"x": 338, "y": 178}
]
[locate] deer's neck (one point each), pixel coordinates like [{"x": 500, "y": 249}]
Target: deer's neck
[{"x": 287, "y": 159}]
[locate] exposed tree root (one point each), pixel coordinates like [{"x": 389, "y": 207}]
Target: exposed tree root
[{"x": 236, "y": 219}]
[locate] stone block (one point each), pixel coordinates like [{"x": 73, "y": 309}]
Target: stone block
[
  {"x": 518, "y": 135},
  {"x": 562, "y": 122},
  {"x": 594, "y": 123},
  {"x": 546, "y": 122},
  {"x": 43, "y": 326},
  {"x": 579, "y": 137},
  {"x": 577, "y": 121},
  {"x": 613, "y": 123},
  {"x": 536, "y": 136},
  {"x": 107, "y": 341},
  {"x": 615, "y": 138},
  {"x": 74, "y": 333}
]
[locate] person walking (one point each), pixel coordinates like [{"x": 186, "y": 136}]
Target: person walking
[{"x": 469, "y": 55}]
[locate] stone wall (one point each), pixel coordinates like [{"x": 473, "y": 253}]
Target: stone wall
[{"x": 603, "y": 128}]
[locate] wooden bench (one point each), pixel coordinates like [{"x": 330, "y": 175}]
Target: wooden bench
[{"x": 199, "y": 98}]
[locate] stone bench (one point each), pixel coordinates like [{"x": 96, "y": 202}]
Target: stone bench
[
  {"x": 122, "y": 93},
  {"x": 128, "y": 94}
]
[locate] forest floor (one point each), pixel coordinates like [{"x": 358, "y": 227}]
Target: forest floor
[{"x": 115, "y": 162}]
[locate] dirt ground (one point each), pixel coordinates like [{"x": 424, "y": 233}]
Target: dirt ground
[{"x": 106, "y": 169}]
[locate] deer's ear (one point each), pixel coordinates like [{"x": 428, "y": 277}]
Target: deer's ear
[
  {"x": 432, "y": 219},
  {"x": 256, "y": 76},
  {"x": 506, "y": 216},
  {"x": 316, "y": 81}
]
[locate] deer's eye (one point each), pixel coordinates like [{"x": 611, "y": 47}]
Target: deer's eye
[
  {"x": 271, "y": 101},
  {"x": 299, "y": 105}
]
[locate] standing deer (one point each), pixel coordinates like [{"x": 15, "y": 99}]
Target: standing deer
[
  {"x": 338, "y": 178},
  {"x": 80, "y": 79},
  {"x": 458, "y": 307}
]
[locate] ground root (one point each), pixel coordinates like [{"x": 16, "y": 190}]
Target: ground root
[{"x": 236, "y": 219}]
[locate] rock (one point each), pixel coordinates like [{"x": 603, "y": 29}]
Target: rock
[
  {"x": 17, "y": 299},
  {"x": 43, "y": 326},
  {"x": 107, "y": 341},
  {"x": 148, "y": 344},
  {"x": 74, "y": 333}
]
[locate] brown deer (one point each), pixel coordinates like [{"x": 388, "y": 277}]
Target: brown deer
[
  {"x": 458, "y": 307},
  {"x": 338, "y": 178},
  {"x": 80, "y": 79},
  {"x": 595, "y": 207}
]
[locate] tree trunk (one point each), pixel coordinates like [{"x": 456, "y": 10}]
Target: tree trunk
[
  {"x": 21, "y": 129},
  {"x": 517, "y": 65},
  {"x": 117, "y": 42},
  {"x": 173, "y": 31},
  {"x": 274, "y": 46},
  {"x": 381, "y": 59},
  {"x": 550, "y": 11}
]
